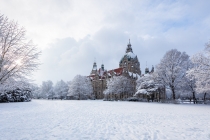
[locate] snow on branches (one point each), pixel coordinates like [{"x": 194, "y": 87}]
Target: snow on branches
[
  {"x": 15, "y": 91},
  {"x": 172, "y": 69},
  {"x": 201, "y": 70},
  {"x": 146, "y": 85},
  {"x": 47, "y": 90},
  {"x": 80, "y": 88},
  {"x": 119, "y": 86},
  {"x": 61, "y": 89},
  {"x": 18, "y": 56}
]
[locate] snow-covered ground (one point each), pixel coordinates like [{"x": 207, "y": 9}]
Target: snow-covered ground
[{"x": 103, "y": 120}]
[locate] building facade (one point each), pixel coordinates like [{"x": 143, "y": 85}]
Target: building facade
[{"x": 129, "y": 66}]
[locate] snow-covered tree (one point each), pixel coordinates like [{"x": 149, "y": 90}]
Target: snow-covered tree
[
  {"x": 47, "y": 89},
  {"x": 201, "y": 70},
  {"x": 61, "y": 89},
  {"x": 36, "y": 91},
  {"x": 119, "y": 86},
  {"x": 80, "y": 88},
  {"x": 188, "y": 86},
  {"x": 18, "y": 56},
  {"x": 172, "y": 69},
  {"x": 147, "y": 85}
]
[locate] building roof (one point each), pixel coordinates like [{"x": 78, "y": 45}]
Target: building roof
[{"x": 117, "y": 71}]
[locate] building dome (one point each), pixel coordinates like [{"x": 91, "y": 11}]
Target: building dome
[{"x": 130, "y": 55}]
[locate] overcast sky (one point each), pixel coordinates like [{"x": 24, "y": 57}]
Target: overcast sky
[{"x": 71, "y": 33}]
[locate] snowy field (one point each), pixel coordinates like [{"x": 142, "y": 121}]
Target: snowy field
[{"x": 101, "y": 120}]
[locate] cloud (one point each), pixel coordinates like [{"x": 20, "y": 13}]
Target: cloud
[{"x": 71, "y": 33}]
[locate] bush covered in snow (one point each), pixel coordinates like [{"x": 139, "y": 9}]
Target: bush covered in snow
[
  {"x": 16, "y": 95},
  {"x": 15, "y": 91}
]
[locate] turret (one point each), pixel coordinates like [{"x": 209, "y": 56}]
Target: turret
[
  {"x": 94, "y": 69},
  {"x": 129, "y": 49},
  {"x": 102, "y": 67},
  {"x": 153, "y": 69},
  {"x": 146, "y": 70},
  {"x": 94, "y": 66}
]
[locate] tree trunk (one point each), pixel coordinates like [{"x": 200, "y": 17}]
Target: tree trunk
[
  {"x": 148, "y": 98},
  {"x": 173, "y": 93},
  {"x": 194, "y": 100},
  {"x": 204, "y": 98},
  {"x": 152, "y": 97}
]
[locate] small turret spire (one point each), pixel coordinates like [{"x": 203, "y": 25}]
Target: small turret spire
[
  {"x": 94, "y": 65},
  {"x": 129, "y": 49}
]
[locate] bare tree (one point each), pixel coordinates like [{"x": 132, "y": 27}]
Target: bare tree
[
  {"x": 172, "y": 69},
  {"x": 18, "y": 56}
]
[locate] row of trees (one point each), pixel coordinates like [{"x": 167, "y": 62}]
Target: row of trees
[
  {"x": 182, "y": 74},
  {"x": 18, "y": 58},
  {"x": 48, "y": 91},
  {"x": 79, "y": 88}
]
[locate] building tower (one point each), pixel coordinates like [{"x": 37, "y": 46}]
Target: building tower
[
  {"x": 146, "y": 70},
  {"x": 129, "y": 49},
  {"x": 129, "y": 62},
  {"x": 153, "y": 69},
  {"x": 94, "y": 69},
  {"x": 102, "y": 67}
]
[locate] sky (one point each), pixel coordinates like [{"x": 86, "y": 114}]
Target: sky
[{"x": 71, "y": 34}]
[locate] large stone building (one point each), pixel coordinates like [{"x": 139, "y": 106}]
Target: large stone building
[{"x": 129, "y": 66}]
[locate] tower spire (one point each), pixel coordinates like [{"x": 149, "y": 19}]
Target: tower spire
[
  {"x": 129, "y": 49},
  {"x": 94, "y": 64}
]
